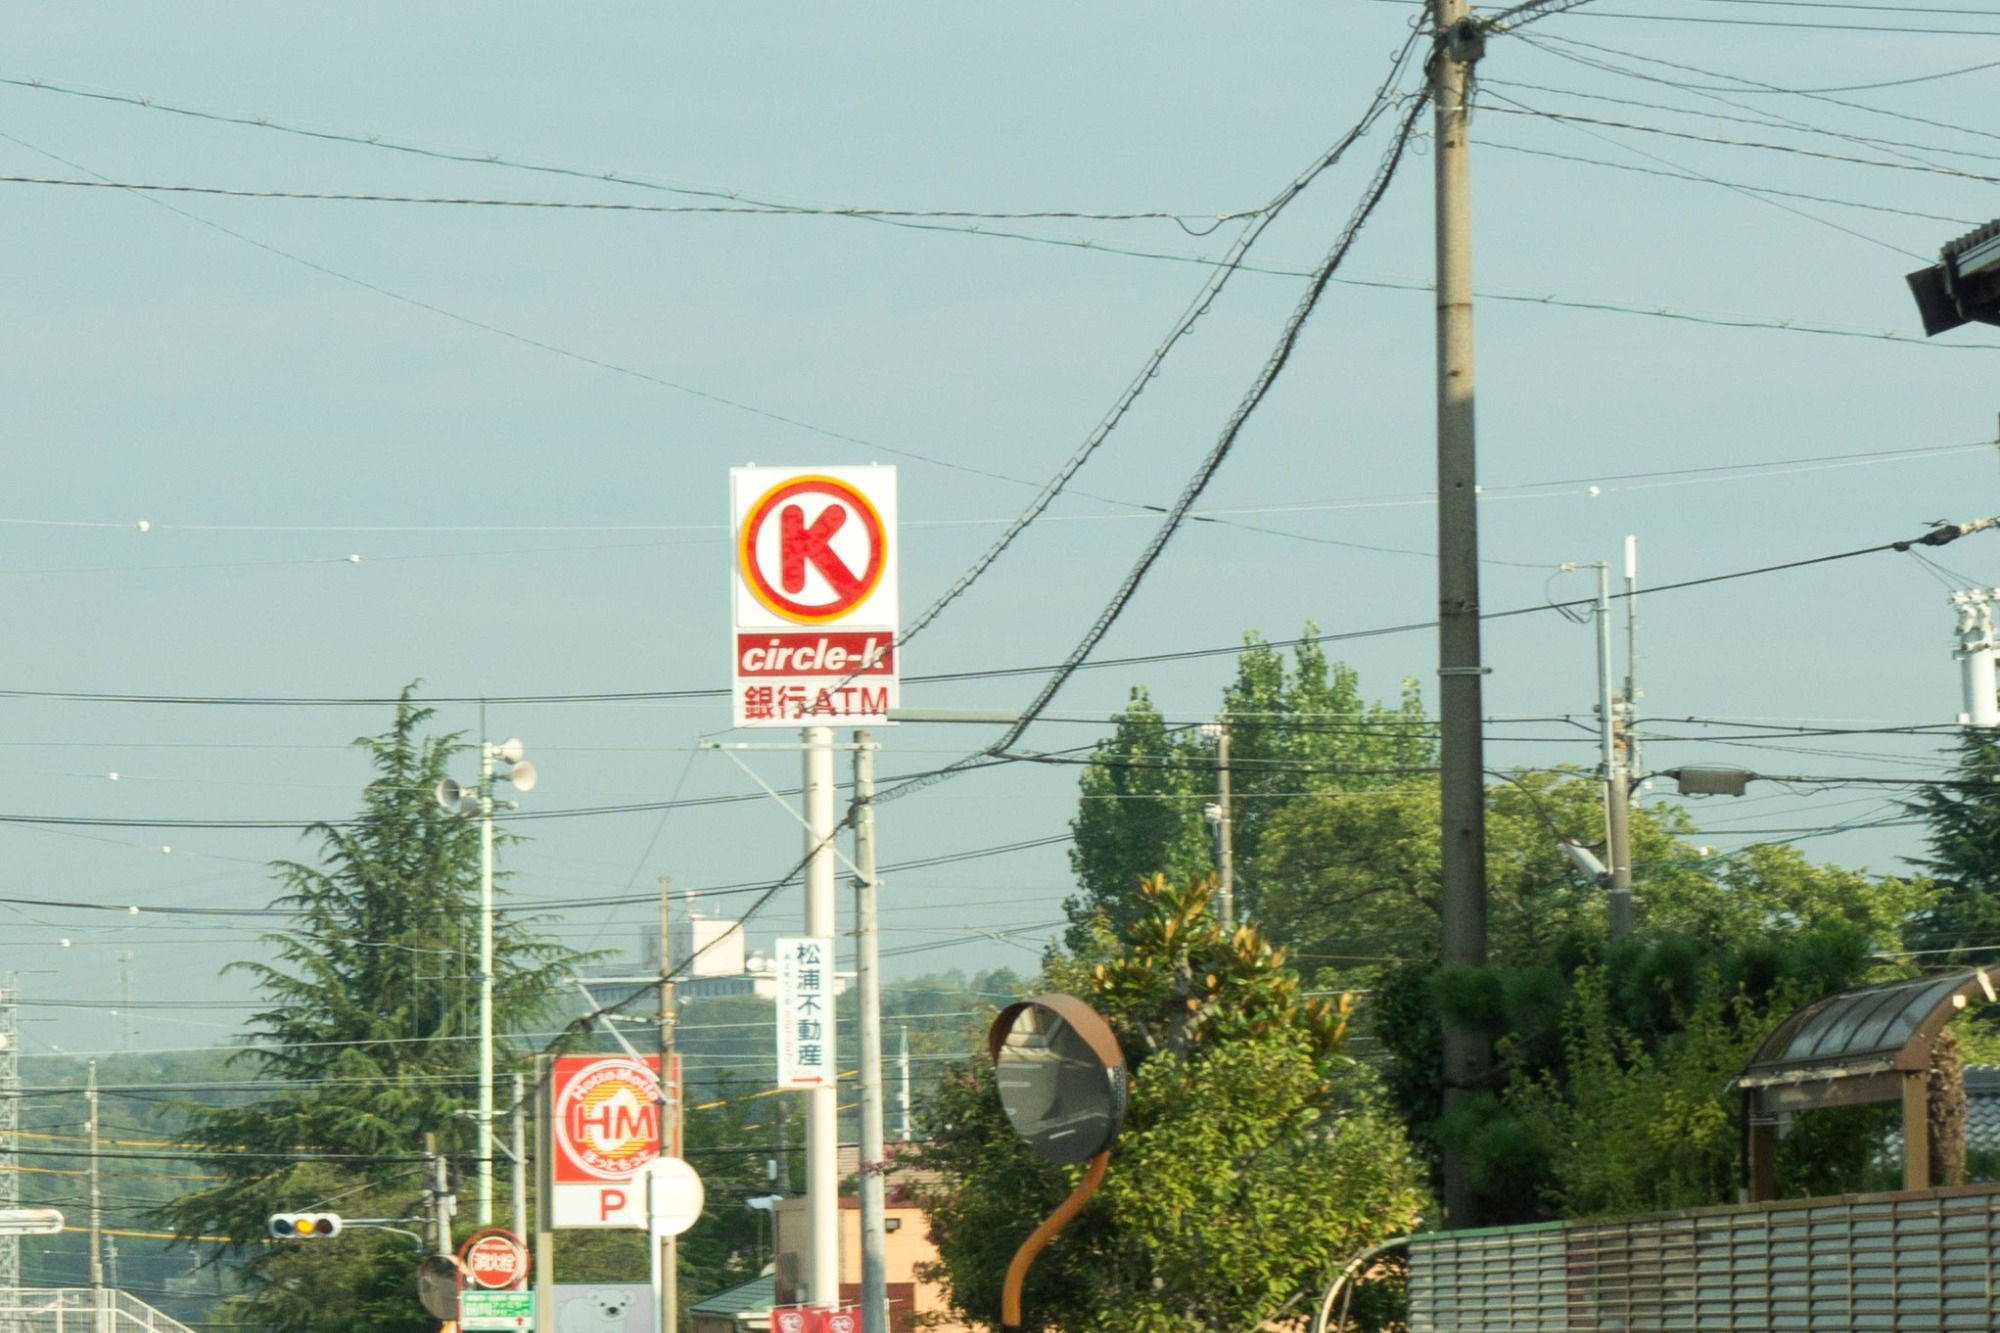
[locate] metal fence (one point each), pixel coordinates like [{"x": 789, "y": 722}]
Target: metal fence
[
  {"x": 73, "y": 1310},
  {"x": 1924, "y": 1260}
]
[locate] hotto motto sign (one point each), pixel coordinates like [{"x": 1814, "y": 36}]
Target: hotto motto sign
[
  {"x": 605, "y": 1123},
  {"x": 815, "y": 596}
]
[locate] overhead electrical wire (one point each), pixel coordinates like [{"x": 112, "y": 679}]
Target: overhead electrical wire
[{"x": 1260, "y": 388}]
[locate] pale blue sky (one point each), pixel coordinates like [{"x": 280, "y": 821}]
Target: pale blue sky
[{"x": 532, "y": 523}]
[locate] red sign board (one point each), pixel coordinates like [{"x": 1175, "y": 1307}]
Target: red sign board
[
  {"x": 607, "y": 1117},
  {"x": 493, "y": 1260},
  {"x": 812, "y": 548},
  {"x": 812, "y": 654}
]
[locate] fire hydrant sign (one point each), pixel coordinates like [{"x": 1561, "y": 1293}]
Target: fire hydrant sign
[
  {"x": 815, "y": 609},
  {"x": 604, "y": 1120},
  {"x": 804, "y": 966}
]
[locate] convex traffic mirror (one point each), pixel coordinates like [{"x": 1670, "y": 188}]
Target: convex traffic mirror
[{"x": 1061, "y": 1077}]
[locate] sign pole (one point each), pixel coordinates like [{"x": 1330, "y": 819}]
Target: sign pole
[
  {"x": 868, "y": 979},
  {"x": 545, "y": 1239},
  {"x": 823, "y": 1102},
  {"x": 668, "y": 1247}
]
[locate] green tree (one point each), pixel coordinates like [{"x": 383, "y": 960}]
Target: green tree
[
  {"x": 1255, "y": 1155},
  {"x": 1295, "y": 729},
  {"x": 1962, "y": 925},
  {"x": 368, "y": 1038}
]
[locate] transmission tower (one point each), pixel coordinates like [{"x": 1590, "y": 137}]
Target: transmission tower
[{"x": 10, "y": 1126}]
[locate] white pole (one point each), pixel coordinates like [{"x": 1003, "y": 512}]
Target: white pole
[
  {"x": 868, "y": 970},
  {"x": 1975, "y": 655},
  {"x": 903, "y": 1102},
  {"x": 485, "y": 1193},
  {"x": 96, "y": 1212},
  {"x": 521, "y": 1223},
  {"x": 822, "y": 1104}
]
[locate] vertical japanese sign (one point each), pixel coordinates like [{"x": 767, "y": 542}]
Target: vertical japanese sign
[
  {"x": 604, "y": 1122},
  {"x": 805, "y": 1012},
  {"x": 814, "y": 596}
]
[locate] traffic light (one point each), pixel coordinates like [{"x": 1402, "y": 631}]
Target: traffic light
[
  {"x": 1964, "y": 284},
  {"x": 304, "y": 1226}
]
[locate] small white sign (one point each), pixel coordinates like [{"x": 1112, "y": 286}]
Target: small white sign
[
  {"x": 599, "y": 1205},
  {"x": 804, "y": 968},
  {"x": 814, "y": 600},
  {"x": 674, "y": 1196}
]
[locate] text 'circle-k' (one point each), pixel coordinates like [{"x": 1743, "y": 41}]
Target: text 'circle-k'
[{"x": 812, "y": 549}]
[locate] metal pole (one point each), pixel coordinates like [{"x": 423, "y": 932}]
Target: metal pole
[
  {"x": 520, "y": 1146},
  {"x": 670, "y": 1111},
  {"x": 545, "y": 1239},
  {"x": 485, "y": 1190},
  {"x": 868, "y": 978},
  {"x": 1461, "y": 743},
  {"x": 96, "y": 1210},
  {"x": 1224, "y": 833},
  {"x": 822, "y": 1104}
]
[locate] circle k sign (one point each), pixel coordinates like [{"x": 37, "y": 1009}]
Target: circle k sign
[{"x": 812, "y": 548}]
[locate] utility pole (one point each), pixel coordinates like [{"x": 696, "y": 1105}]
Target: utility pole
[
  {"x": 823, "y": 1103},
  {"x": 10, "y": 1125},
  {"x": 1461, "y": 743},
  {"x": 484, "y": 1193},
  {"x": 1225, "y": 837},
  {"x": 670, "y": 1111},
  {"x": 124, "y": 1001},
  {"x": 97, "y": 1311},
  {"x": 903, "y": 1099},
  {"x": 868, "y": 979},
  {"x": 441, "y": 1201},
  {"x": 1617, "y": 787}
]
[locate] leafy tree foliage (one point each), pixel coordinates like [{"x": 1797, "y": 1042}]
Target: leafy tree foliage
[
  {"x": 1255, "y": 1155},
  {"x": 1294, "y": 729},
  {"x": 368, "y": 1039}
]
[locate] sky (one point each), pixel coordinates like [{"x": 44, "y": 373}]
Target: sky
[{"x": 270, "y": 449}]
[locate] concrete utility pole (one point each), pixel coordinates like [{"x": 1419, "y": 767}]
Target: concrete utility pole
[
  {"x": 670, "y": 1110},
  {"x": 10, "y": 1125},
  {"x": 97, "y": 1306},
  {"x": 485, "y": 1188},
  {"x": 1461, "y": 743},
  {"x": 868, "y": 980},
  {"x": 440, "y": 1197},
  {"x": 1225, "y": 835},
  {"x": 1975, "y": 653},
  {"x": 1617, "y": 783},
  {"x": 903, "y": 1097},
  {"x": 823, "y": 1103}
]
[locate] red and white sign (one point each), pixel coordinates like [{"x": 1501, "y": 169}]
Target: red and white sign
[
  {"x": 843, "y": 1321},
  {"x": 494, "y": 1260},
  {"x": 798, "y": 1319},
  {"x": 815, "y": 598},
  {"x": 604, "y": 1123}
]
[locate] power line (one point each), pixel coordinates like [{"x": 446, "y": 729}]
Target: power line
[
  {"x": 1210, "y": 292},
  {"x": 1280, "y": 356}
]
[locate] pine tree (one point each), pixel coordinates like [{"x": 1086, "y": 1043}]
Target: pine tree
[
  {"x": 368, "y": 1040},
  {"x": 1964, "y": 843}
]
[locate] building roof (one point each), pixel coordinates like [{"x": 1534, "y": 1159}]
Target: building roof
[
  {"x": 1869, "y": 1030},
  {"x": 758, "y": 1294}
]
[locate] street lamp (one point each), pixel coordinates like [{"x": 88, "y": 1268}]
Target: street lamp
[{"x": 478, "y": 804}]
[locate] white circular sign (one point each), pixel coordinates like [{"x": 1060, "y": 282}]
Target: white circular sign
[{"x": 674, "y": 1196}]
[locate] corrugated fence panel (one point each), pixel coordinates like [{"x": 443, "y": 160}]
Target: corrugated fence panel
[{"x": 1902, "y": 1263}]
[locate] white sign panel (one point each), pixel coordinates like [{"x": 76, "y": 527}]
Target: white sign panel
[
  {"x": 492, "y": 1311},
  {"x": 814, "y": 596},
  {"x": 805, "y": 1012}
]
